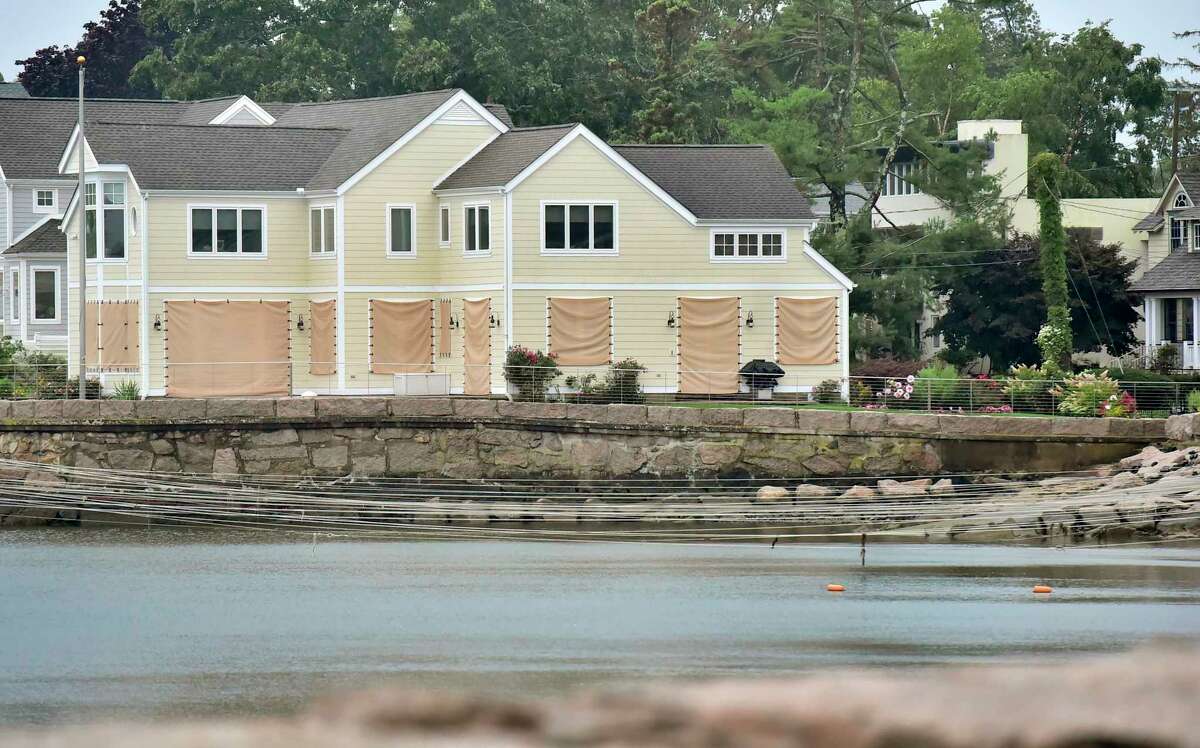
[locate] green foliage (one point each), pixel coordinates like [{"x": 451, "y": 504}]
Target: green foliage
[
  {"x": 531, "y": 372},
  {"x": 829, "y": 391},
  {"x": 1086, "y": 394},
  {"x": 885, "y": 367},
  {"x": 860, "y": 393},
  {"x": 1193, "y": 401},
  {"x": 1166, "y": 359},
  {"x": 619, "y": 385},
  {"x": 1028, "y": 387},
  {"x": 937, "y": 384},
  {"x": 126, "y": 390}
]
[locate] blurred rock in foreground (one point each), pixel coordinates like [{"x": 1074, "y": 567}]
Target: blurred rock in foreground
[{"x": 1145, "y": 699}]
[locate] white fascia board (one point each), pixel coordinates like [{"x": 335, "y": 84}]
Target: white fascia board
[
  {"x": 237, "y": 194},
  {"x": 243, "y": 104},
  {"x": 461, "y": 97},
  {"x": 468, "y": 191},
  {"x": 828, "y": 267},
  {"x": 100, "y": 171},
  {"x": 768, "y": 222},
  {"x": 1161, "y": 209},
  {"x": 68, "y": 163},
  {"x": 33, "y": 228},
  {"x": 474, "y": 152},
  {"x": 579, "y": 131}
]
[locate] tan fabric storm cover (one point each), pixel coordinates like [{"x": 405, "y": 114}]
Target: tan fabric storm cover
[
  {"x": 112, "y": 340},
  {"x": 322, "y": 353},
  {"x": 477, "y": 346},
  {"x": 708, "y": 346},
  {"x": 806, "y": 331},
  {"x": 401, "y": 336},
  {"x": 581, "y": 331},
  {"x": 228, "y": 348},
  {"x": 444, "y": 313}
]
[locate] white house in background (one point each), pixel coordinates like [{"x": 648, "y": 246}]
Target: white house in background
[{"x": 1111, "y": 220}]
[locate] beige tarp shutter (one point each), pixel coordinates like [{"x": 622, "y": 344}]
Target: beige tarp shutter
[
  {"x": 580, "y": 330},
  {"x": 444, "y": 313},
  {"x": 401, "y": 336},
  {"x": 112, "y": 341},
  {"x": 708, "y": 345},
  {"x": 806, "y": 331},
  {"x": 322, "y": 353},
  {"x": 228, "y": 348},
  {"x": 477, "y": 346}
]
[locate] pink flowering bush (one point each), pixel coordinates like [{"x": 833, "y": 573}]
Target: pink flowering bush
[{"x": 531, "y": 372}]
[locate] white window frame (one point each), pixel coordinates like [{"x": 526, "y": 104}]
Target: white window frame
[
  {"x": 32, "y": 297},
  {"x": 239, "y": 254},
  {"x": 325, "y": 252},
  {"x": 757, "y": 231},
  {"x": 447, "y": 215},
  {"x": 590, "y": 251},
  {"x": 1181, "y": 200},
  {"x": 387, "y": 231},
  {"x": 14, "y": 294},
  {"x": 100, "y": 208},
  {"x": 52, "y": 208},
  {"x": 468, "y": 207}
]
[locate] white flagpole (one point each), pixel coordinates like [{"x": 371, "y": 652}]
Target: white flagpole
[{"x": 81, "y": 206}]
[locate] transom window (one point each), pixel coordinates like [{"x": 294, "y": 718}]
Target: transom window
[
  {"x": 401, "y": 230},
  {"x": 477, "y": 228},
  {"x": 1181, "y": 200},
  {"x": 45, "y": 201},
  {"x": 732, "y": 246},
  {"x": 444, "y": 225},
  {"x": 897, "y": 180},
  {"x": 322, "y": 230},
  {"x": 45, "y": 294},
  {"x": 579, "y": 228},
  {"x": 221, "y": 230},
  {"x": 105, "y": 223}
]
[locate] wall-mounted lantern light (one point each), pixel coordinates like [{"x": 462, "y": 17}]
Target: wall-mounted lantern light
[
  {"x": 300, "y": 323},
  {"x": 749, "y": 319},
  {"x": 157, "y": 323},
  {"x": 671, "y": 319}
]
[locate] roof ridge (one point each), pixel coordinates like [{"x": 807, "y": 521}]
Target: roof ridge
[
  {"x": 690, "y": 145},
  {"x": 567, "y": 125},
  {"x": 369, "y": 98},
  {"x": 98, "y": 99},
  {"x": 217, "y": 128}
]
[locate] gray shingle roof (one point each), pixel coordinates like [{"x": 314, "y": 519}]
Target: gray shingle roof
[
  {"x": 505, "y": 157},
  {"x": 722, "y": 183},
  {"x": 216, "y": 158},
  {"x": 1178, "y": 271},
  {"x": 45, "y": 239},
  {"x": 1151, "y": 222},
  {"x": 372, "y": 125},
  {"x": 1191, "y": 185},
  {"x": 500, "y": 112},
  {"x": 13, "y": 90}
]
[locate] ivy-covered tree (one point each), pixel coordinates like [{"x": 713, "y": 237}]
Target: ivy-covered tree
[
  {"x": 1054, "y": 337},
  {"x": 113, "y": 46}
]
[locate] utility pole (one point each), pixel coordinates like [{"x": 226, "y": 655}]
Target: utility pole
[
  {"x": 81, "y": 206},
  {"x": 1177, "y": 94}
]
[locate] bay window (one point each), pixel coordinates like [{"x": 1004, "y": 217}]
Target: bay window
[
  {"x": 477, "y": 228},
  {"x": 322, "y": 230},
  {"x": 733, "y": 246},
  {"x": 582, "y": 228},
  {"x": 226, "y": 231},
  {"x": 401, "y": 230},
  {"x": 105, "y": 219}
]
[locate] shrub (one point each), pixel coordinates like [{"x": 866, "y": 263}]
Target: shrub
[
  {"x": 860, "y": 394},
  {"x": 829, "y": 391},
  {"x": 1165, "y": 360},
  {"x": 531, "y": 372},
  {"x": 1028, "y": 388},
  {"x": 1119, "y": 406},
  {"x": 987, "y": 395},
  {"x": 1086, "y": 394},
  {"x": 885, "y": 367},
  {"x": 127, "y": 390},
  {"x": 620, "y": 384},
  {"x": 1193, "y": 401},
  {"x": 6, "y": 388},
  {"x": 937, "y": 385}
]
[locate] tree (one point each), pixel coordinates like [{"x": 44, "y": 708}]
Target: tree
[
  {"x": 995, "y": 303},
  {"x": 112, "y": 46},
  {"x": 1054, "y": 337}
]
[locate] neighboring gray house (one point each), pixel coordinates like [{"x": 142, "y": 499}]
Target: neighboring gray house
[{"x": 13, "y": 90}]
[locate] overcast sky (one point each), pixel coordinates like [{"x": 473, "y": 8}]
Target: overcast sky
[{"x": 29, "y": 25}]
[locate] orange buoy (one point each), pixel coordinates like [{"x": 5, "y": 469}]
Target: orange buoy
[
  {"x": 1042, "y": 589},
  {"x": 834, "y": 588}
]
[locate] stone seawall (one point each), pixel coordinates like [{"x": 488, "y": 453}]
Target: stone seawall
[{"x": 470, "y": 438}]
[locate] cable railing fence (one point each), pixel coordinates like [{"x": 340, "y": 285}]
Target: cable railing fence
[{"x": 625, "y": 382}]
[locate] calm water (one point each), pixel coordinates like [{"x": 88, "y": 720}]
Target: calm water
[{"x": 145, "y": 624}]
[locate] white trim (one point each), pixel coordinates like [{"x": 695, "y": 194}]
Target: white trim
[
  {"x": 444, "y": 210},
  {"x": 566, "y": 251},
  {"x": 51, "y": 208},
  {"x": 469, "y": 191},
  {"x": 23, "y": 293},
  {"x": 411, "y": 254},
  {"x": 324, "y": 252},
  {"x": 828, "y": 267},
  {"x": 508, "y": 271},
  {"x": 472, "y": 154},
  {"x": 457, "y": 98},
  {"x": 339, "y": 225},
  {"x": 8, "y": 206},
  {"x": 579, "y": 131},
  {"x": 144, "y": 298},
  {"x": 41, "y": 222},
  {"x": 14, "y": 302},
  {"x": 243, "y": 195},
  {"x": 475, "y": 206},
  {"x": 677, "y": 287},
  {"x": 243, "y": 104},
  {"x": 214, "y": 254},
  {"x": 768, "y": 223},
  {"x": 97, "y": 283},
  {"x": 844, "y": 341},
  {"x": 240, "y": 289},
  {"x": 32, "y": 296},
  {"x": 740, "y": 231},
  {"x": 65, "y": 160},
  {"x": 461, "y": 288}
]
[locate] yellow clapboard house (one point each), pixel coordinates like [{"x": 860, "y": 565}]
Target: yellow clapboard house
[{"x": 404, "y": 243}]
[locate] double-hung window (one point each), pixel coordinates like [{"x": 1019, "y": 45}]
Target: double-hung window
[
  {"x": 401, "y": 230},
  {"x": 477, "y": 228},
  {"x": 45, "y": 294},
  {"x": 746, "y": 246},
  {"x": 45, "y": 201},
  {"x": 220, "y": 231},
  {"x": 322, "y": 230},
  {"x": 14, "y": 295},
  {"x": 105, "y": 219},
  {"x": 579, "y": 228}
]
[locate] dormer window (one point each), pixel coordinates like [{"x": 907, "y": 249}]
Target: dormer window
[
  {"x": 1181, "y": 200},
  {"x": 45, "y": 201}
]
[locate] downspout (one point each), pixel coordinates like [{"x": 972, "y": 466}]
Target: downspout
[
  {"x": 508, "y": 277},
  {"x": 340, "y": 239},
  {"x": 144, "y": 323}
]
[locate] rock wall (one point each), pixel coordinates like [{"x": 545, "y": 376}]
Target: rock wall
[{"x": 470, "y": 438}]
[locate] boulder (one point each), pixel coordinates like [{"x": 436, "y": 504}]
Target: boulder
[
  {"x": 771, "y": 494},
  {"x": 896, "y": 488},
  {"x": 858, "y": 492},
  {"x": 810, "y": 491},
  {"x": 1122, "y": 481},
  {"x": 942, "y": 487}
]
